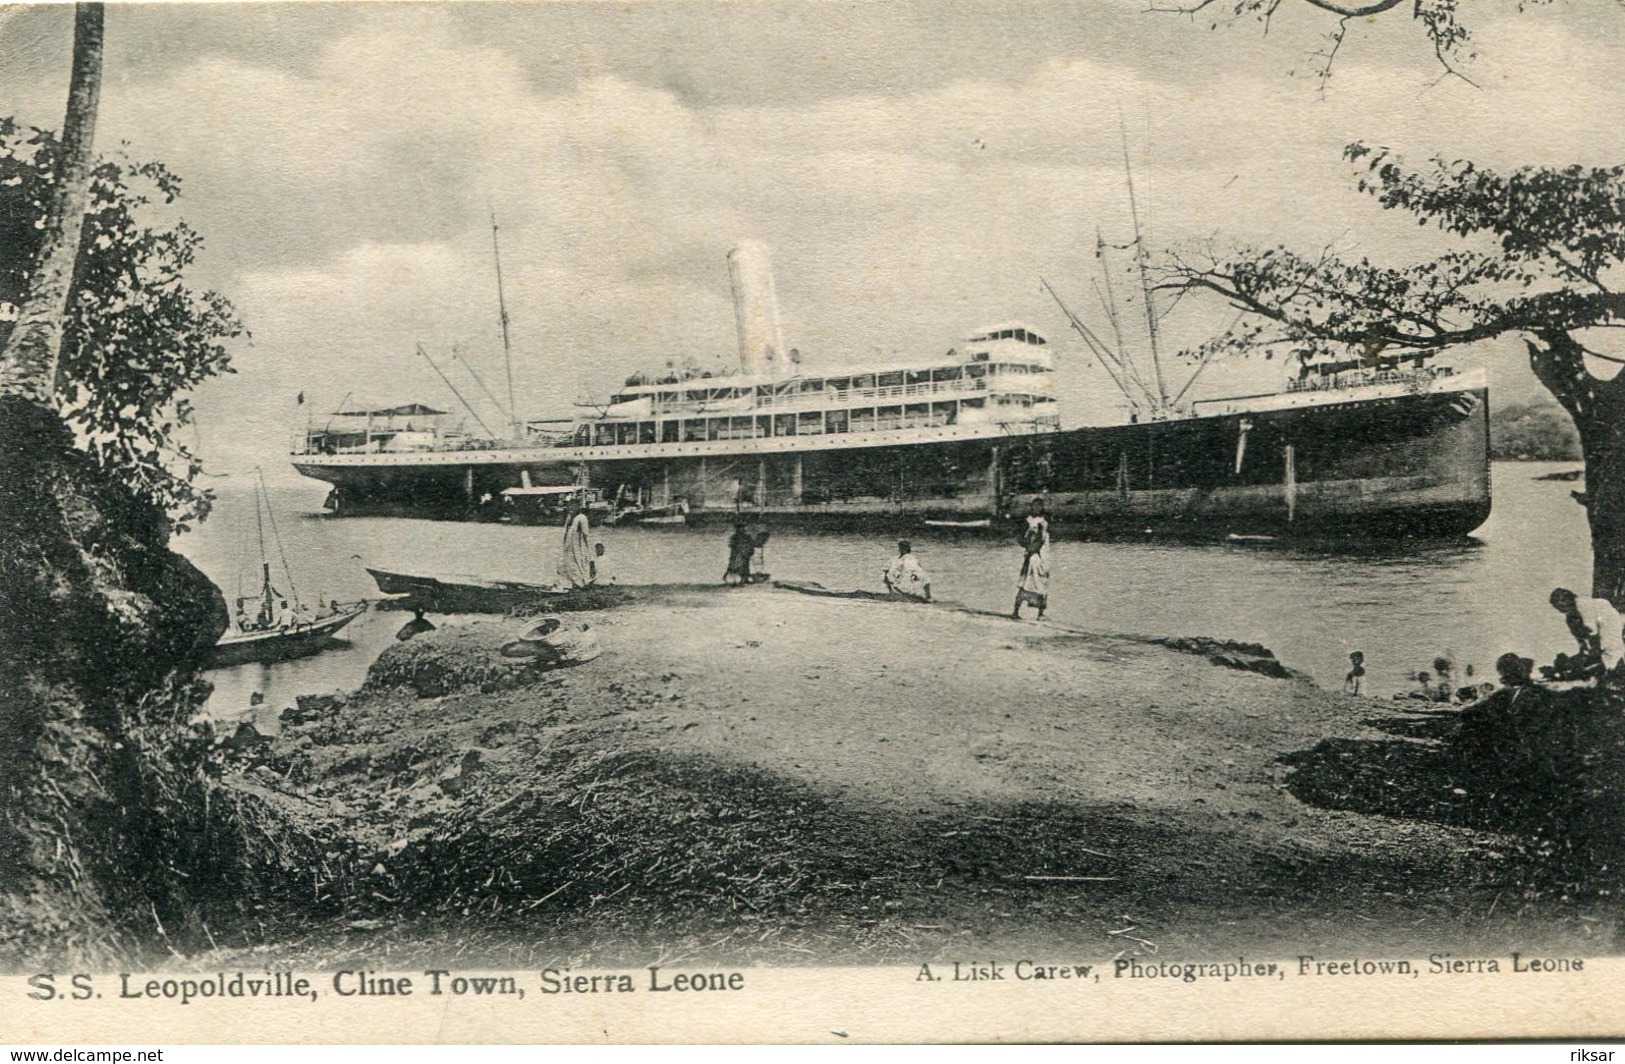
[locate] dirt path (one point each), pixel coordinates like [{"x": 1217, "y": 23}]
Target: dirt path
[{"x": 906, "y": 707}]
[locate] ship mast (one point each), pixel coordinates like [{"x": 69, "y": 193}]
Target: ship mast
[
  {"x": 1145, "y": 273},
  {"x": 1120, "y": 363},
  {"x": 1108, "y": 301},
  {"x": 502, "y": 314},
  {"x": 276, "y": 534},
  {"x": 259, "y": 526}
]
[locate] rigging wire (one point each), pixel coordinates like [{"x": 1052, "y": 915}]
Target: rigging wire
[
  {"x": 1140, "y": 261},
  {"x": 1108, "y": 300},
  {"x": 1207, "y": 356},
  {"x": 472, "y": 412},
  {"x": 1107, "y": 361},
  {"x": 460, "y": 360}
]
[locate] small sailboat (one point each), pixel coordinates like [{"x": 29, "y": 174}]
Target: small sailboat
[{"x": 271, "y": 626}]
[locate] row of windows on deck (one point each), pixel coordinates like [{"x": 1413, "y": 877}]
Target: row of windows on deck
[
  {"x": 721, "y": 389},
  {"x": 808, "y": 423}
]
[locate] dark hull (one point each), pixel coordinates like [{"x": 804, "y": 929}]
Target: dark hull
[
  {"x": 857, "y": 594},
  {"x": 1408, "y": 466},
  {"x": 1405, "y": 465},
  {"x": 282, "y": 644},
  {"x": 490, "y": 596}
]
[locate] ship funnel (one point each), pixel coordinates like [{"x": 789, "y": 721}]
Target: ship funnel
[{"x": 756, "y": 310}]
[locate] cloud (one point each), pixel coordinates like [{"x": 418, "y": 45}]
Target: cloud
[{"x": 916, "y": 167}]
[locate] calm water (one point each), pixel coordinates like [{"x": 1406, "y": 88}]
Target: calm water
[{"x": 1401, "y": 606}]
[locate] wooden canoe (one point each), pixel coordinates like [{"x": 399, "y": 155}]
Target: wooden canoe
[
  {"x": 471, "y": 594},
  {"x": 807, "y": 587}
]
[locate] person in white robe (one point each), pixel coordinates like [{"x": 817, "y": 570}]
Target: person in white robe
[{"x": 576, "y": 563}]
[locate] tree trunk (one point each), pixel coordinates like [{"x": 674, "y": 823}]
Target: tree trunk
[
  {"x": 103, "y": 632},
  {"x": 1598, "y": 409},
  {"x": 28, "y": 363}
]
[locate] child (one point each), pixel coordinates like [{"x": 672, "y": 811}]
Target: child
[{"x": 1356, "y": 674}]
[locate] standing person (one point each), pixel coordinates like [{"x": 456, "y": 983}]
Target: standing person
[
  {"x": 741, "y": 547},
  {"x": 1033, "y": 584},
  {"x": 906, "y": 577},
  {"x": 1356, "y": 674},
  {"x": 575, "y": 565}
]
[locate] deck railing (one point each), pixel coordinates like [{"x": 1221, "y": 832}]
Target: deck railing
[
  {"x": 1364, "y": 378},
  {"x": 833, "y": 397}
]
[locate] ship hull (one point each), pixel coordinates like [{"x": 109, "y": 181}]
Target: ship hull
[
  {"x": 1403, "y": 466},
  {"x": 1408, "y": 463}
]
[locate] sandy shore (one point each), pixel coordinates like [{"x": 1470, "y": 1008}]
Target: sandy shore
[{"x": 760, "y": 775}]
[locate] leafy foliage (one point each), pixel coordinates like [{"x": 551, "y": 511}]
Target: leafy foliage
[
  {"x": 1570, "y": 220},
  {"x": 1554, "y": 237},
  {"x": 136, "y": 339},
  {"x": 1538, "y": 431}
]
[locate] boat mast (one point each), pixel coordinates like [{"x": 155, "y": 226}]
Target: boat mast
[
  {"x": 276, "y": 534},
  {"x": 1145, "y": 273},
  {"x": 502, "y": 315},
  {"x": 265, "y": 561}
]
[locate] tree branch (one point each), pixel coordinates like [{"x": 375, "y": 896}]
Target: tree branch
[
  {"x": 1181, "y": 9},
  {"x": 1324, "y": 74},
  {"x": 1437, "y": 17},
  {"x": 1348, "y": 11}
]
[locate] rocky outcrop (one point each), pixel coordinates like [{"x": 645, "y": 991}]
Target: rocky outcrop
[
  {"x": 104, "y": 632},
  {"x": 1228, "y": 654},
  {"x": 485, "y": 656}
]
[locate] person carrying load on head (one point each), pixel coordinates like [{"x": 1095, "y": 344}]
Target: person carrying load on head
[
  {"x": 1033, "y": 584},
  {"x": 906, "y": 576}
]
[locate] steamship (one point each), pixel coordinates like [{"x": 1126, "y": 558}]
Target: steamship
[{"x": 969, "y": 439}]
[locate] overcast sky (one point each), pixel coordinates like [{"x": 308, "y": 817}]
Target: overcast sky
[{"x": 915, "y": 167}]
